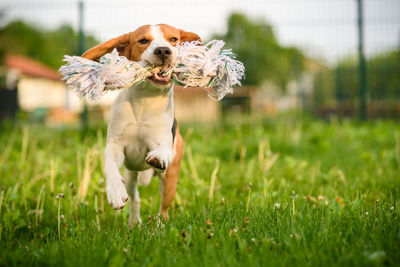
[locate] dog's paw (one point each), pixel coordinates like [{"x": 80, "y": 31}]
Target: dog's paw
[
  {"x": 116, "y": 194},
  {"x": 159, "y": 158}
]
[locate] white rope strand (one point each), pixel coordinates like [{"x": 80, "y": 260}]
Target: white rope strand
[{"x": 207, "y": 66}]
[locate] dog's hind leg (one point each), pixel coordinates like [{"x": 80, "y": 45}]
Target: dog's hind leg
[
  {"x": 134, "y": 199},
  {"x": 169, "y": 180},
  {"x": 144, "y": 177}
]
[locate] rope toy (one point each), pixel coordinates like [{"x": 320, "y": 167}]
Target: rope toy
[{"x": 208, "y": 66}]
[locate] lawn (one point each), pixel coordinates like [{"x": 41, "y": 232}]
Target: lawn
[{"x": 283, "y": 191}]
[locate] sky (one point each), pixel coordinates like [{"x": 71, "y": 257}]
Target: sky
[{"x": 323, "y": 29}]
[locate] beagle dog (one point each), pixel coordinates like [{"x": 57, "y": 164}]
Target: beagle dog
[{"x": 142, "y": 133}]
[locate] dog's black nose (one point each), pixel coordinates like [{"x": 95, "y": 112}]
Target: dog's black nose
[{"x": 162, "y": 52}]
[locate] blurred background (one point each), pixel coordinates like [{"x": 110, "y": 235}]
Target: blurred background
[{"x": 325, "y": 58}]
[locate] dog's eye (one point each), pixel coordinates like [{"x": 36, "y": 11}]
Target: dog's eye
[
  {"x": 143, "y": 41},
  {"x": 173, "y": 39}
]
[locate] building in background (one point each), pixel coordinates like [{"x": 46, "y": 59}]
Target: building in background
[{"x": 37, "y": 89}]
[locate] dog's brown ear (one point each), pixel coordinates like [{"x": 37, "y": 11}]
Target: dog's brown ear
[
  {"x": 189, "y": 37},
  {"x": 121, "y": 43}
]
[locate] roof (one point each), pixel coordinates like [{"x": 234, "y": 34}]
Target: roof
[{"x": 31, "y": 67}]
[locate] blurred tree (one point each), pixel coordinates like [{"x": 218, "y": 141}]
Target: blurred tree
[
  {"x": 49, "y": 47},
  {"x": 256, "y": 46}
]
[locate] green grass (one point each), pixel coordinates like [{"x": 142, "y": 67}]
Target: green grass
[{"x": 322, "y": 194}]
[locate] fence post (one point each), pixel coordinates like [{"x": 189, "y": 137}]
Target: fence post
[
  {"x": 361, "y": 62},
  {"x": 81, "y": 49}
]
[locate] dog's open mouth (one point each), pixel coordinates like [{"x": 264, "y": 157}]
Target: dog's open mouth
[{"x": 160, "y": 78}]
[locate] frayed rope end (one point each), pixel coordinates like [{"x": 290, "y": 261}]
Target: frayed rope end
[{"x": 206, "y": 66}]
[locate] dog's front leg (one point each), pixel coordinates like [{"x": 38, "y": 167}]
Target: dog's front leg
[
  {"x": 160, "y": 151},
  {"x": 115, "y": 188}
]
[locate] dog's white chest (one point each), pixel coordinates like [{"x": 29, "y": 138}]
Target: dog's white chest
[{"x": 139, "y": 116}]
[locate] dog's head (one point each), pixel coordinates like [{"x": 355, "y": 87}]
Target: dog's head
[{"x": 154, "y": 44}]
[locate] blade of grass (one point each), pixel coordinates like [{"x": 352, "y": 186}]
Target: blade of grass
[{"x": 212, "y": 182}]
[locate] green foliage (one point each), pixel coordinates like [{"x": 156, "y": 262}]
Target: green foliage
[
  {"x": 256, "y": 46},
  {"x": 383, "y": 79},
  {"x": 384, "y": 75},
  {"x": 344, "y": 210},
  {"x": 45, "y": 46}
]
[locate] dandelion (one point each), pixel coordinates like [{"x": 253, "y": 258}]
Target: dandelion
[
  {"x": 59, "y": 197},
  {"x": 277, "y": 206},
  {"x": 366, "y": 213},
  {"x": 321, "y": 198},
  {"x": 253, "y": 240},
  {"x": 73, "y": 189}
]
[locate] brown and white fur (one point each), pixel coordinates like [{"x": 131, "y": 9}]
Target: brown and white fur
[{"x": 142, "y": 133}]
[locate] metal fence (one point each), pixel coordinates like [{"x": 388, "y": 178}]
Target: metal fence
[{"x": 326, "y": 31}]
